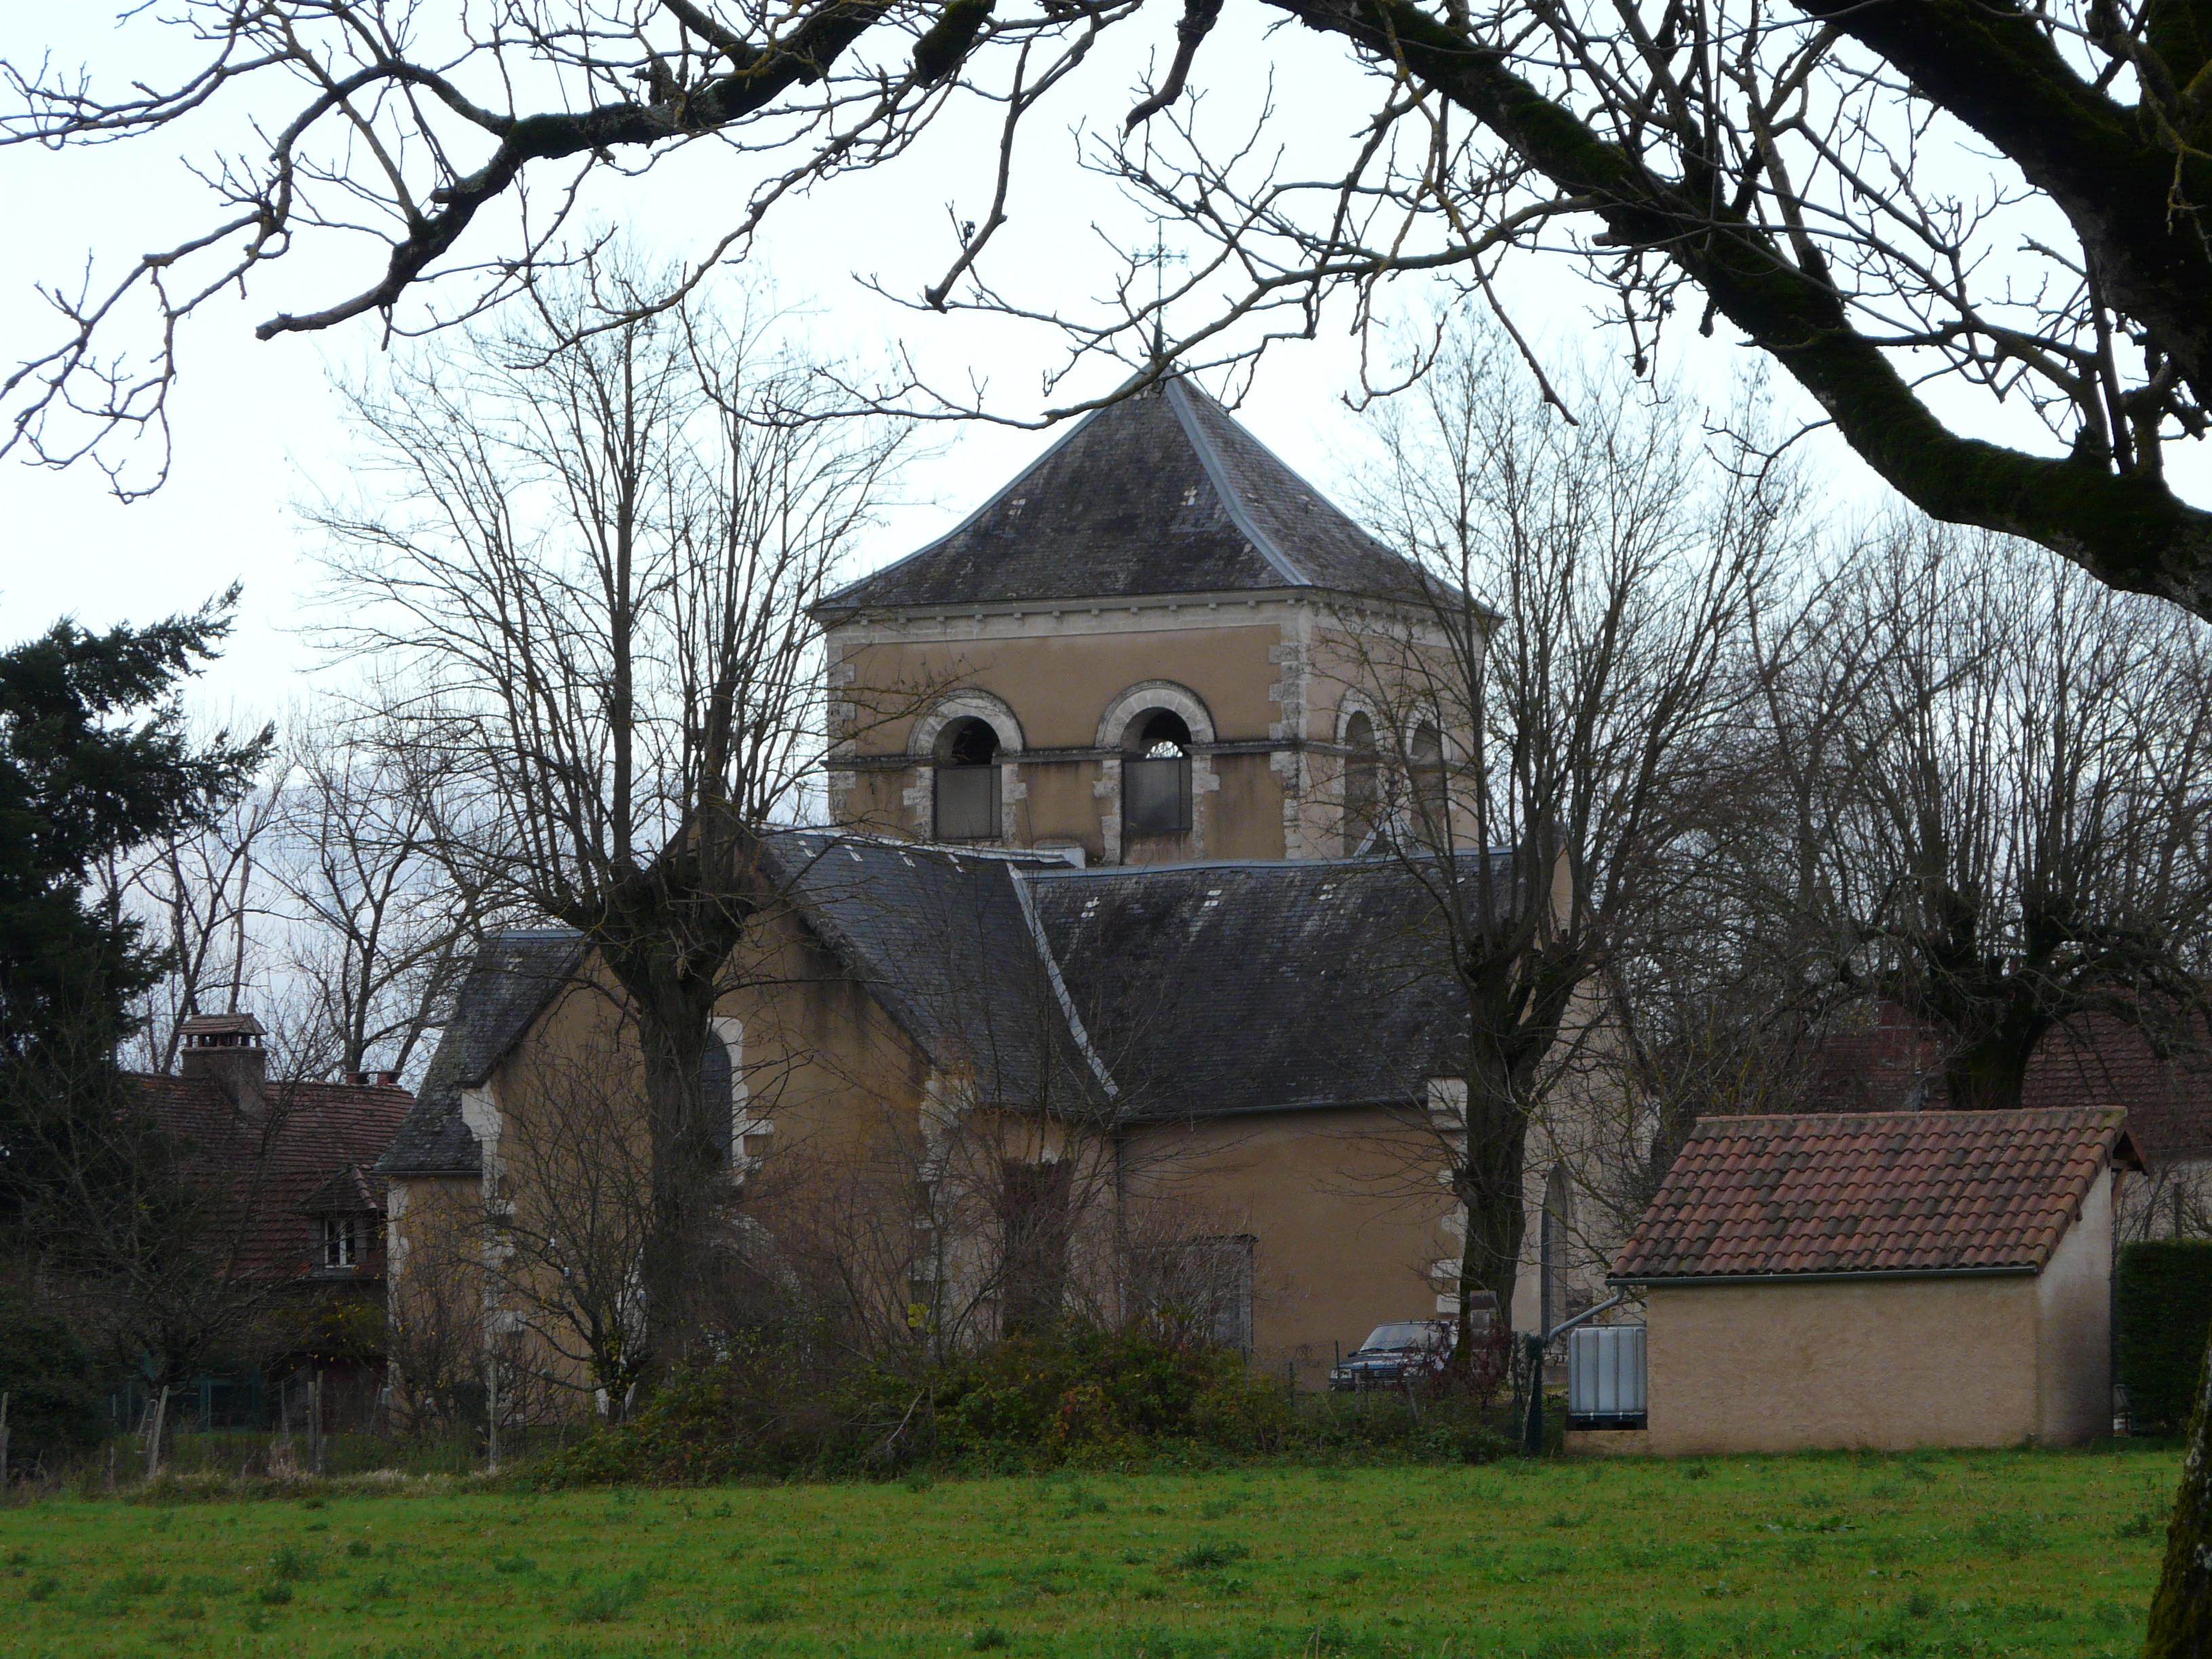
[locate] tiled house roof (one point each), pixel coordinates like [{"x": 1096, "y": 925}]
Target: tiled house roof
[
  {"x": 1871, "y": 1193},
  {"x": 1161, "y": 493},
  {"x": 287, "y": 1160},
  {"x": 2097, "y": 1060},
  {"x": 1880, "y": 1059}
]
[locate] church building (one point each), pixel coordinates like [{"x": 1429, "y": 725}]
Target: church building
[{"x": 1095, "y": 996}]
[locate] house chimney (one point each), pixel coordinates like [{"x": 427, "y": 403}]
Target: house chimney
[
  {"x": 387, "y": 1079},
  {"x": 226, "y": 1050}
]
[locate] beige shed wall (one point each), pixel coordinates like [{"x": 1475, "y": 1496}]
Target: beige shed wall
[
  {"x": 1885, "y": 1363},
  {"x": 2073, "y": 1309}
]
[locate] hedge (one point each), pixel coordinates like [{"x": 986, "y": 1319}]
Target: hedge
[
  {"x": 2163, "y": 1303},
  {"x": 1076, "y": 1396}
]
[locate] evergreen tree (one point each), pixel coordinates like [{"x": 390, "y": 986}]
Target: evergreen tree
[{"x": 95, "y": 759}]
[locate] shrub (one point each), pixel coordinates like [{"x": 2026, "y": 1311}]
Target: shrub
[
  {"x": 2164, "y": 1300},
  {"x": 55, "y": 1403},
  {"x": 1080, "y": 1396}
]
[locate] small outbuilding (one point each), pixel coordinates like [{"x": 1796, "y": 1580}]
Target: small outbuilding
[{"x": 1879, "y": 1280}]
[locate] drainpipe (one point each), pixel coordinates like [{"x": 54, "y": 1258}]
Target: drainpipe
[{"x": 1532, "y": 1429}]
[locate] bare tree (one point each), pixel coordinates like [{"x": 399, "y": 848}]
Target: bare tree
[
  {"x": 203, "y": 891},
  {"x": 1818, "y": 176},
  {"x": 1985, "y": 790},
  {"x": 375, "y": 930},
  {"x": 1541, "y": 726},
  {"x": 593, "y": 589}
]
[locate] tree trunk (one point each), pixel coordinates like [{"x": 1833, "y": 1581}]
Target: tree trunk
[
  {"x": 1987, "y": 1076},
  {"x": 673, "y": 1028},
  {"x": 1489, "y": 1183},
  {"x": 2181, "y": 1611}
]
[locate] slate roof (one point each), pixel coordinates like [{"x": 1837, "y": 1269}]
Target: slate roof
[
  {"x": 1161, "y": 493},
  {"x": 1186, "y": 990},
  {"x": 942, "y": 937},
  {"x": 514, "y": 975},
  {"x": 1871, "y": 1193},
  {"x": 310, "y": 1134},
  {"x": 1216, "y": 988}
]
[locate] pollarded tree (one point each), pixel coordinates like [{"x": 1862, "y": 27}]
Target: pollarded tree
[
  {"x": 1984, "y": 795},
  {"x": 589, "y": 576},
  {"x": 2008, "y": 199},
  {"x": 593, "y": 586},
  {"x": 1543, "y": 726}
]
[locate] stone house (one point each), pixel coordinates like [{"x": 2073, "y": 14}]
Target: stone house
[
  {"x": 1878, "y": 1279},
  {"x": 302, "y": 1226}
]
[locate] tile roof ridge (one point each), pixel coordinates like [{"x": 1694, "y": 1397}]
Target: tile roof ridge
[
  {"x": 841, "y": 837},
  {"x": 1064, "y": 869},
  {"x": 1952, "y": 1114},
  {"x": 1177, "y": 392}
]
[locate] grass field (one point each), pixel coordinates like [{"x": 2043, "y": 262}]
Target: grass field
[{"x": 1989, "y": 1553}]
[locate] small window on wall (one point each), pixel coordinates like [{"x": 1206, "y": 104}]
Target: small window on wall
[
  {"x": 344, "y": 1240},
  {"x": 1156, "y": 775},
  {"x": 967, "y": 782},
  {"x": 717, "y": 1079},
  {"x": 1359, "y": 790}
]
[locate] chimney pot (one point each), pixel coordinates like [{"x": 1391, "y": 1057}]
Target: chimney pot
[
  {"x": 387, "y": 1079},
  {"x": 226, "y": 1050}
]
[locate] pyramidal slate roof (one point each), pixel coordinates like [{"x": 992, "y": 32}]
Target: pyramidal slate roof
[{"x": 1163, "y": 492}]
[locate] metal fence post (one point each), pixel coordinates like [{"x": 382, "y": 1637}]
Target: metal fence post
[{"x": 1532, "y": 1429}]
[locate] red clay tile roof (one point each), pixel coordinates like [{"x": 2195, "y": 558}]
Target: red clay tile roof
[
  {"x": 1879, "y": 1059},
  {"x": 286, "y": 1161},
  {"x": 2099, "y": 1060},
  {"x": 1867, "y": 1193}
]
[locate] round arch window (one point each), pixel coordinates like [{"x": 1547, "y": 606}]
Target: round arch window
[
  {"x": 1361, "y": 795},
  {"x": 1156, "y": 776},
  {"x": 966, "y": 784}
]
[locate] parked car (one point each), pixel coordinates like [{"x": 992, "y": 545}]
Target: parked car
[{"x": 1402, "y": 1351}]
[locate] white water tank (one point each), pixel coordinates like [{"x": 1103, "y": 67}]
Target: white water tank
[{"x": 1605, "y": 1377}]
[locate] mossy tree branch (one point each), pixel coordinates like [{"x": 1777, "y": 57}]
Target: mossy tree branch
[{"x": 2130, "y": 530}]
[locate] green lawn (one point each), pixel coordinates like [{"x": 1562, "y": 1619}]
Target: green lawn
[{"x": 2011, "y": 1552}]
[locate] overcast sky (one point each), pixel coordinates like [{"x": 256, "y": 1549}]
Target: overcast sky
[{"x": 256, "y": 428}]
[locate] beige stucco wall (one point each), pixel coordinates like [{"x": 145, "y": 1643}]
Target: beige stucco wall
[
  {"x": 1946, "y": 1360},
  {"x": 1885, "y": 1363},
  {"x": 1349, "y": 1227},
  {"x": 2073, "y": 1296}
]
